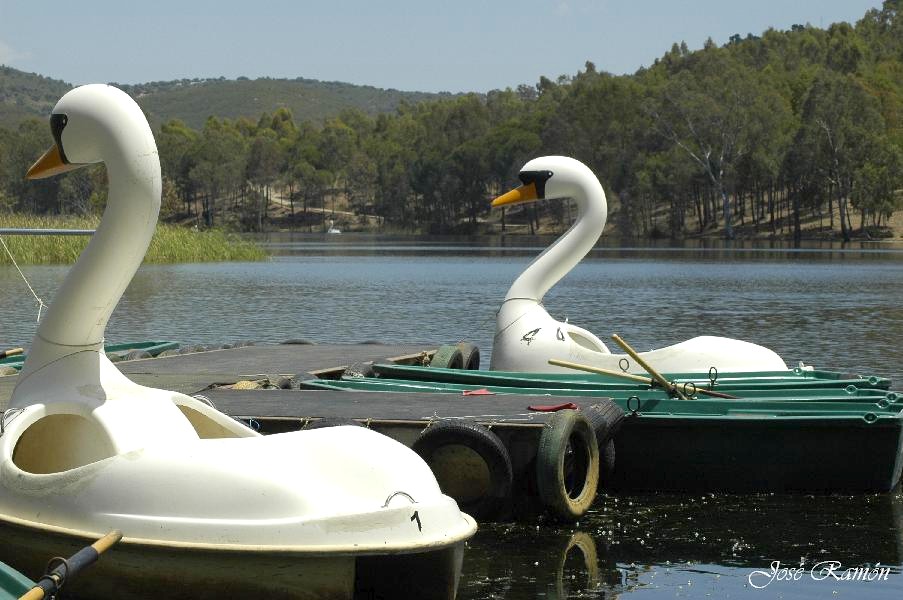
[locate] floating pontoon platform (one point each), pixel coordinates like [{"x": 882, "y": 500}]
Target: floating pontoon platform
[{"x": 823, "y": 440}]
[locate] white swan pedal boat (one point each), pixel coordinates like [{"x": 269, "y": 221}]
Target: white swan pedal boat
[
  {"x": 207, "y": 506},
  {"x": 526, "y": 336}
]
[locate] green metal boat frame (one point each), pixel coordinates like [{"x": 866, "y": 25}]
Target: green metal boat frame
[
  {"x": 725, "y": 382},
  {"x": 809, "y": 399},
  {"x": 12, "y": 583}
]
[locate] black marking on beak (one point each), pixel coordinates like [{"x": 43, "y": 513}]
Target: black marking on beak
[
  {"x": 537, "y": 178},
  {"x": 57, "y": 124}
]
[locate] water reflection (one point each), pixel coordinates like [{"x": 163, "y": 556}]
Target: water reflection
[
  {"x": 500, "y": 562},
  {"x": 691, "y": 545}
]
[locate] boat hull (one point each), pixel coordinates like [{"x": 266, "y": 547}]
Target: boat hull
[
  {"x": 800, "y": 440},
  {"x": 135, "y": 569},
  {"x": 758, "y": 453}
]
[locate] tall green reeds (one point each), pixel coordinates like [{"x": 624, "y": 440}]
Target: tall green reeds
[{"x": 170, "y": 244}]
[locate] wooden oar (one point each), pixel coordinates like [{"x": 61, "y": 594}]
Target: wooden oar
[
  {"x": 11, "y": 352},
  {"x": 599, "y": 370},
  {"x": 632, "y": 377},
  {"x": 655, "y": 374},
  {"x": 49, "y": 585}
]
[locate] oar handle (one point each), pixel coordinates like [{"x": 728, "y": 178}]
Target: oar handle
[
  {"x": 49, "y": 584},
  {"x": 599, "y": 370},
  {"x": 11, "y": 352},
  {"x": 107, "y": 541},
  {"x": 655, "y": 374},
  {"x": 34, "y": 593}
]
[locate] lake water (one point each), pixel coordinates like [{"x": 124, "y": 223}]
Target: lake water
[{"x": 836, "y": 308}]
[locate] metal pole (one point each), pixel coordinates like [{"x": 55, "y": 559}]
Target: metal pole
[{"x": 24, "y": 231}]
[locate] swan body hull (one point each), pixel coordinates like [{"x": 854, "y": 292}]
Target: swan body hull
[
  {"x": 84, "y": 450},
  {"x": 525, "y": 343},
  {"x": 527, "y": 337},
  {"x": 183, "y": 480}
]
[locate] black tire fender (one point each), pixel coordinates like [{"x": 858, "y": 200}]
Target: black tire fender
[
  {"x": 567, "y": 465},
  {"x": 447, "y": 357},
  {"x": 606, "y": 418},
  {"x": 470, "y": 463},
  {"x": 470, "y": 356}
]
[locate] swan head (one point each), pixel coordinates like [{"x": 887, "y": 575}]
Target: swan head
[
  {"x": 90, "y": 124},
  {"x": 552, "y": 178}
]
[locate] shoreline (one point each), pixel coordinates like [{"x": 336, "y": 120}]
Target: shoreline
[{"x": 170, "y": 244}]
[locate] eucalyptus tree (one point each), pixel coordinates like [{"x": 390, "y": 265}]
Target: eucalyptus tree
[
  {"x": 361, "y": 180},
  {"x": 393, "y": 153},
  {"x": 220, "y": 158},
  {"x": 176, "y": 143},
  {"x": 716, "y": 114},
  {"x": 337, "y": 143},
  {"x": 840, "y": 123},
  {"x": 264, "y": 165},
  {"x": 878, "y": 181}
]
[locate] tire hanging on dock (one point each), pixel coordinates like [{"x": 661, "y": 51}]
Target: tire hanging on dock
[
  {"x": 606, "y": 417},
  {"x": 470, "y": 463},
  {"x": 447, "y": 357},
  {"x": 567, "y": 465},
  {"x": 470, "y": 356}
]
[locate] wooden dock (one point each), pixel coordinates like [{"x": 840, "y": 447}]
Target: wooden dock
[
  {"x": 195, "y": 372},
  {"x": 501, "y": 430},
  {"x": 207, "y": 373}
]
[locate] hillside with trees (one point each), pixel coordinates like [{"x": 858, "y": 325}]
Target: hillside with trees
[
  {"x": 25, "y": 95},
  {"x": 784, "y": 134}
]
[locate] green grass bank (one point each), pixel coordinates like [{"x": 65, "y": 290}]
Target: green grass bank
[{"x": 170, "y": 244}]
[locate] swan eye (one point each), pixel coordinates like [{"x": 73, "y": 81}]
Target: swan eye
[
  {"x": 537, "y": 178},
  {"x": 57, "y": 124}
]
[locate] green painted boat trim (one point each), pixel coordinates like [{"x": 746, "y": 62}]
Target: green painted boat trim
[
  {"x": 651, "y": 401},
  {"x": 847, "y": 394},
  {"x": 153, "y": 348},
  {"x": 12, "y": 583},
  {"x": 763, "y": 380}
]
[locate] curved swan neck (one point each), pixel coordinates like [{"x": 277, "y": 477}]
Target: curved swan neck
[
  {"x": 563, "y": 255},
  {"x": 78, "y": 316}
]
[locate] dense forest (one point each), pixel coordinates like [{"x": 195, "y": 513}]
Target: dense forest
[{"x": 765, "y": 135}]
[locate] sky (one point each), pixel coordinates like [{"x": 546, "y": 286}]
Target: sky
[{"x": 412, "y": 45}]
